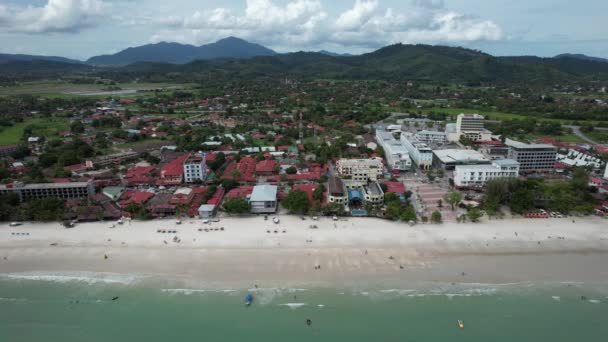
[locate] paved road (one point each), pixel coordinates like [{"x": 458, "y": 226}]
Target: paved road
[{"x": 577, "y": 131}]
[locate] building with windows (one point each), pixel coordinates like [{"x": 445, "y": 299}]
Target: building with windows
[
  {"x": 532, "y": 157},
  {"x": 195, "y": 168},
  {"x": 448, "y": 159},
  {"x": 28, "y": 192},
  {"x": 469, "y": 123},
  {"x": 420, "y": 152},
  {"x": 397, "y": 156},
  {"x": 470, "y": 126},
  {"x": 263, "y": 199},
  {"x": 476, "y": 176},
  {"x": 431, "y": 137},
  {"x": 372, "y": 193},
  {"x": 360, "y": 170},
  {"x": 337, "y": 191}
]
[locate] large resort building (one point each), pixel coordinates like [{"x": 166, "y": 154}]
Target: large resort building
[
  {"x": 470, "y": 126},
  {"x": 533, "y": 157},
  {"x": 360, "y": 170},
  {"x": 431, "y": 137},
  {"x": 421, "y": 153},
  {"x": 28, "y": 192},
  {"x": 448, "y": 159},
  {"x": 397, "y": 156},
  {"x": 476, "y": 176}
]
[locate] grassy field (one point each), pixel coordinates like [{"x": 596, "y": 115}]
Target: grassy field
[
  {"x": 43, "y": 127},
  {"x": 599, "y": 136},
  {"x": 63, "y": 89}
]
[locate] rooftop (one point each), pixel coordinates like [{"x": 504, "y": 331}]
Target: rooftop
[
  {"x": 45, "y": 185},
  {"x": 459, "y": 155},
  {"x": 264, "y": 193}
]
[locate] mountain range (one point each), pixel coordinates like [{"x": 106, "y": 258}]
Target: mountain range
[
  {"x": 233, "y": 58},
  {"x": 176, "y": 53}
]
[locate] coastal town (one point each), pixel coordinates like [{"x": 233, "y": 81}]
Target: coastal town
[
  {"x": 218, "y": 156},
  {"x": 303, "y": 170}
]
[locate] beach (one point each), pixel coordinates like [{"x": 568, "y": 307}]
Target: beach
[
  {"x": 353, "y": 280},
  {"x": 243, "y": 252}
]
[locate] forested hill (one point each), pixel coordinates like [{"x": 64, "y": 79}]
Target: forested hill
[{"x": 395, "y": 62}]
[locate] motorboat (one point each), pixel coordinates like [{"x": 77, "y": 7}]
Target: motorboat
[
  {"x": 460, "y": 324},
  {"x": 248, "y": 299}
]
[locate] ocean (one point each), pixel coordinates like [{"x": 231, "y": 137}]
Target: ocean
[{"x": 80, "y": 307}]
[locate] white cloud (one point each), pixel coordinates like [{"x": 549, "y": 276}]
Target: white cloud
[
  {"x": 306, "y": 24},
  {"x": 55, "y": 16}
]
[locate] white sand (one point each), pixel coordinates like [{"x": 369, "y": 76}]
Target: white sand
[{"x": 350, "y": 251}]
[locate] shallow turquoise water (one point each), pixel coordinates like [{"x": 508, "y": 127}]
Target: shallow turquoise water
[{"x": 34, "y": 310}]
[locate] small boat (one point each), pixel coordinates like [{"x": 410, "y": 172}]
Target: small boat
[
  {"x": 248, "y": 299},
  {"x": 460, "y": 324}
]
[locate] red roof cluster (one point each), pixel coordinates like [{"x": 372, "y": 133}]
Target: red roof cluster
[
  {"x": 217, "y": 197},
  {"x": 601, "y": 149},
  {"x": 307, "y": 188},
  {"x": 242, "y": 191},
  {"x": 266, "y": 166},
  {"x": 246, "y": 167},
  {"x": 140, "y": 171},
  {"x": 313, "y": 173},
  {"x": 137, "y": 197},
  {"x": 173, "y": 172}
]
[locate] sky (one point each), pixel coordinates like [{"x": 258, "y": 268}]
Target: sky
[{"x": 84, "y": 28}]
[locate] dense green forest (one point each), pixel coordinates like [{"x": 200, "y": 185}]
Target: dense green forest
[{"x": 395, "y": 62}]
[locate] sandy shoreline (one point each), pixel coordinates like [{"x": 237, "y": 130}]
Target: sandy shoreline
[{"x": 351, "y": 252}]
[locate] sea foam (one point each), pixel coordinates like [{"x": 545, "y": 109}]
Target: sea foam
[
  {"x": 81, "y": 277},
  {"x": 293, "y": 306}
]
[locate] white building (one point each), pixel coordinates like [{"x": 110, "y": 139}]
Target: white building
[
  {"x": 263, "y": 199},
  {"x": 421, "y": 153},
  {"x": 393, "y": 128},
  {"x": 195, "y": 168},
  {"x": 470, "y": 126},
  {"x": 431, "y": 137},
  {"x": 469, "y": 123},
  {"x": 372, "y": 193},
  {"x": 360, "y": 170},
  {"x": 397, "y": 156},
  {"x": 576, "y": 158},
  {"x": 476, "y": 176},
  {"x": 448, "y": 159}
]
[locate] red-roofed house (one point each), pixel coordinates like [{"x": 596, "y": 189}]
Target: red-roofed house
[
  {"x": 217, "y": 197},
  {"x": 242, "y": 191},
  {"x": 245, "y": 167},
  {"x": 309, "y": 189},
  {"x": 136, "y": 197},
  {"x": 140, "y": 171},
  {"x": 266, "y": 167},
  {"x": 172, "y": 173}
]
